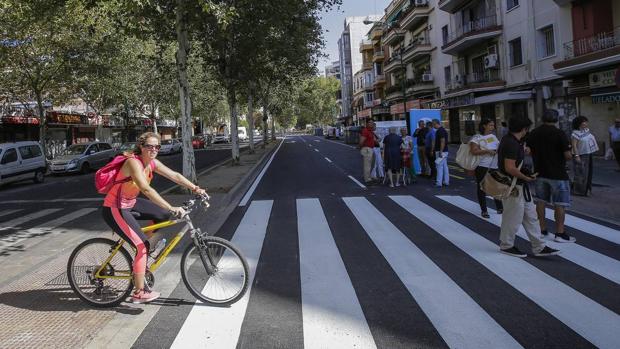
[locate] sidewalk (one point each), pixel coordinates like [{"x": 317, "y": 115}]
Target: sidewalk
[{"x": 38, "y": 308}]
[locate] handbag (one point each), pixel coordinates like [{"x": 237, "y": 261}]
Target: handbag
[
  {"x": 466, "y": 159},
  {"x": 498, "y": 184}
]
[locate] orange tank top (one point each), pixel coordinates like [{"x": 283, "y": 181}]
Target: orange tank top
[{"x": 123, "y": 195}]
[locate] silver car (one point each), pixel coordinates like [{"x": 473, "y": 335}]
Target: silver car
[
  {"x": 82, "y": 157},
  {"x": 170, "y": 146}
]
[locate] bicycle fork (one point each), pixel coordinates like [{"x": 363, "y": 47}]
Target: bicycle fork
[{"x": 205, "y": 256}]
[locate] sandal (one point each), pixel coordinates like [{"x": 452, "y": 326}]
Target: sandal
[{"x": 485, "y": 214}]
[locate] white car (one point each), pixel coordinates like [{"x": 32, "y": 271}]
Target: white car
[
  {"x": 242, "y": 134},
  {"x": 22, "y": 160},
  {"x": 170, "y": 146}
]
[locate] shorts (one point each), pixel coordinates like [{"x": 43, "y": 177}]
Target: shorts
[{"x": 553, "y": 191}]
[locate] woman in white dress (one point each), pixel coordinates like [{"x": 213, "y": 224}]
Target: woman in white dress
[{"x": 485, "y": 145}]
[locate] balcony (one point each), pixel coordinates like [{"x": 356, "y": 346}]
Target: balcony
[
  {"x": 379, "y": 80},
  {"x": 590, "y": 53},
  {"x": 478, "y": 81},
  {"x": 394, "y": 92},
  {"x": 365, "y": 45},
  {"x": 392, "y": 64},
  {"x": 473, "y": 33},
  {"x": 394, "y": 35},
  {"x": 421, "y": 84},
  {"x": 366, "y": 66},
  {"x": 376, "y": 33},
  {"x": 378, "y": 56},
  {"x": 415, "y": 15},
  {"x": 419, "y": 47},
  {"x": 451, "y": 6}
]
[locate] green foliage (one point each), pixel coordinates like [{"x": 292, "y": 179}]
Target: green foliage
[{"x": 316, "y": 101}]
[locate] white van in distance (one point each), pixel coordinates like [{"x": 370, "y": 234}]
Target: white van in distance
[{"x": 20, "y": 161}]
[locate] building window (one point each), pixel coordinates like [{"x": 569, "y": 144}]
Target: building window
[
  {"x": 546, "y": 42},
  {"x": 510, "y": 4},
  {"x": 369, "y": 97},
  {"x": 447, "y": 74},
  {"x": 516, "y": 57},
  {"x": 444, "y": 34}
]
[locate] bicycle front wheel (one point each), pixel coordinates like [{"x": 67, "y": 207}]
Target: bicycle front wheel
[
  {"x": 114, "y": 284},
  {"x": 218, "y": 277}
]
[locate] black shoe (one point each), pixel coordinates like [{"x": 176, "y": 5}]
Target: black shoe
[
  {"x": 544, "y": 233},
  {"x": 513, "y": 251},
  {"x": 547, "y": 251},
  {"x": 564, "y": 237},
  {"x": 500, "y": 211},
  {"x": 485, "y": 214}
]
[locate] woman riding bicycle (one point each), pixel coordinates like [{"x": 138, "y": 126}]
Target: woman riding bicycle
[{"x": 122, "y": 207}]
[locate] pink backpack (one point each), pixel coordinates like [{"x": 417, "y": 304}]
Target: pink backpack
[{"x": 105, "y": 178}]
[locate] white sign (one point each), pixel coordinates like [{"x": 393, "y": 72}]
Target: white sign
[
  {"x": 383, "y": 128},
  {"x": 602, "y": 78}
]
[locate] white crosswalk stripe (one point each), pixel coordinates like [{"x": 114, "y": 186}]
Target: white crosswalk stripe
[
  {"x": 331, "y": 314},
  {"x": 7, "y": 212},
  {"x": 563, "y": 302},
  {"x": 591, "y": 228},
  {"x": 225, "y": 323},
  {"x": 598, "y": 263},
  {"x": 15, "y": 223}
]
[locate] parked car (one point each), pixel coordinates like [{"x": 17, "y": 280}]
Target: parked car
[
  {"x": 82, "y": 157},
  {"x": 170, "y": 146},
  {"x": 221, "y": 138},
  {"x": 127, "y": 146},
  {"x": 242, "y": 134},
  {"x": 22, "y": 160},
  {"x": 200, "y": 141}
]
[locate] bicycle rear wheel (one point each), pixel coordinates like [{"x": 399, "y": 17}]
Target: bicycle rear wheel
[
  {"x": 84, "y": 262},
  {"x": 224, "y": 278}
]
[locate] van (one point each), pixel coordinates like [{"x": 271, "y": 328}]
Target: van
[
  {"x": 242, "y": 134},
  {"x": 20, "y": 161}
]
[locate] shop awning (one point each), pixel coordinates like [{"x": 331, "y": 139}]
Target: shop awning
[{"x": 504, "y": 97}]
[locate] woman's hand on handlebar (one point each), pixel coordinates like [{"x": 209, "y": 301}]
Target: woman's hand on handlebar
[
  {"x": 199, "y": 191},
  {"x": 177, "y": 212}
]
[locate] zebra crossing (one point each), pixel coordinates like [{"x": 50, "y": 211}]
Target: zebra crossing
[{"x": 429, "y": 251}]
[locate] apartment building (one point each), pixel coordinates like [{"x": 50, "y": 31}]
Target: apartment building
[
  {"x": 351, "y": 60},
  {"x": 333, "y": 70}
]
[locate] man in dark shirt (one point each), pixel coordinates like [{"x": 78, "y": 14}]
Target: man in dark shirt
[
  {"x": 518, "y": 209},
  {"x": 550, "y": 150},
  {"x": 420, "y": 134},
  {"x": 441, "y": 155}
]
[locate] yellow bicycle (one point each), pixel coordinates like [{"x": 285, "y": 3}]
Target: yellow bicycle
[{"x": 213, "y": 269}]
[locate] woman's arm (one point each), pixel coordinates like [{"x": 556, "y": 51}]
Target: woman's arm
[
  {"x": 475, "y": 149},
  {"x": 176, "y": 177},
  {"x": 574, "y": 141},
  {"x": 133, "y": 168}
]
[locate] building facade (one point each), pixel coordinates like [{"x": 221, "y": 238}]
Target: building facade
[{"x": 351, "y": 59}]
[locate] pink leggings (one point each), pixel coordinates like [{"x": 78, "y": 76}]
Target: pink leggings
[{"x": 124, "y": 222}]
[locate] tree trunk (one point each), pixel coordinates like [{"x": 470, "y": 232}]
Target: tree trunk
[
  {"x": 265, "y": 125},
  {"x": 189, "y": 163},
  {"x": 234, "y": 139},
  {"x": 155, "y": 113},
  {"x": 126, "y": 132},
  {"x": 273, "y": 128},
  {"x": 41, "y": 123},
  {"x": 251, "y": 119}
]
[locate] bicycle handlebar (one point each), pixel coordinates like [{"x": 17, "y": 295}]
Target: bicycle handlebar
[{"x": 189, "y": 206}]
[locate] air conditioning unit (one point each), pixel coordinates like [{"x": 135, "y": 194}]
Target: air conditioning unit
[
  {"x": 491, "y": 61},
  {"x": 427, "y": 77},
  {"x": 421, "y": 2}
]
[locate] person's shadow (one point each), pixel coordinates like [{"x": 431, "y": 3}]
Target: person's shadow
[{"x": 55, "y": 299}]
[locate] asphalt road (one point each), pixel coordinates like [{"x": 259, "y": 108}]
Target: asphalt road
[{"x": 336, "y": 265}]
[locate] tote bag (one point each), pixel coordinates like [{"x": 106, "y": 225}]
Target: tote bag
[
  {"x": 466, "y": 159},
  {"x": 498, "y": 184}
]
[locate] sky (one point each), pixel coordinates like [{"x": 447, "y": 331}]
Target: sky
[{"x": 333, "y": 24}]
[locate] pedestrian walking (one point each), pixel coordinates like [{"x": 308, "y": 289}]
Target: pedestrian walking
[
  {"x": 420, "y": 136},
  {"x": 583, "y": 148},
  {"x": 391, "y": 154},
  {"x": 378, "y": 168},
  {"x": 485, "y": 144},
  {"x": 429, "y": 145},
  {"x": 550, "y": 150},
  {"x": 518, "y": 207},
  {"x": 366, "y": 144},
  {"x": 614, "y": 140},
  {"x": 406, "y": 149},
  {"x": 441, "y": 155}
]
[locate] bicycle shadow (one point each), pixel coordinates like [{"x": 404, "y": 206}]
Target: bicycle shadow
[{"x": 55, "y": 299}]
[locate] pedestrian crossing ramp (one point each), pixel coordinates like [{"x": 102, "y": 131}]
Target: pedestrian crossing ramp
[{"x": 460, "y": 292}]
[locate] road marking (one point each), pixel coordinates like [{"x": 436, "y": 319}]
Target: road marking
[
  {"x": 332, "y": 315},
  {"x": 49, "y": 227},
  {"x": 8, "y": 212},
  {"x": 224, "y": 323},
  {"x": 598, "y": 263},
  {"x": 250, "y": 191},
  {"x": 302, "y": 138},
  {"x": 588, "y": 227},
  {"x": 335, "y": 142},
  {"x": 328, "y": 160},
  {"x": 316, "y": 150},
  {"x": 316, "y": 140},
  {"x": 14, "y": 223},
  {"x": 558, "y": 299},
  {"x": 357, "y": 182},
  {"x": 52, "y": 201},
  {"x": 438, "y": 296},
  {"x": 455, "y": 176}
]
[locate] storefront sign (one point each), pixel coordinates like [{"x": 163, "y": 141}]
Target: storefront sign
[
  {"x": 19, "y": 120},
  {"x": 380, "y": 110},
  {"x": 166, "y": 123},
  {"x": 65, "y": 118},
  {"x": 437, "y": 104},
  {"x": 602, "y": 78},
  {"x": 460, "y": 101},
  {"x": 398, "y": 107},
  {"x": 606, "y": 98}
]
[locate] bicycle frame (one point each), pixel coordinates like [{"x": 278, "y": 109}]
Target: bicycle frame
[{"x": 189, "y": 226}]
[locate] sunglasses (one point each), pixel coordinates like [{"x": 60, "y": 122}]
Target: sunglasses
[{"x": 152, "y": 146}]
